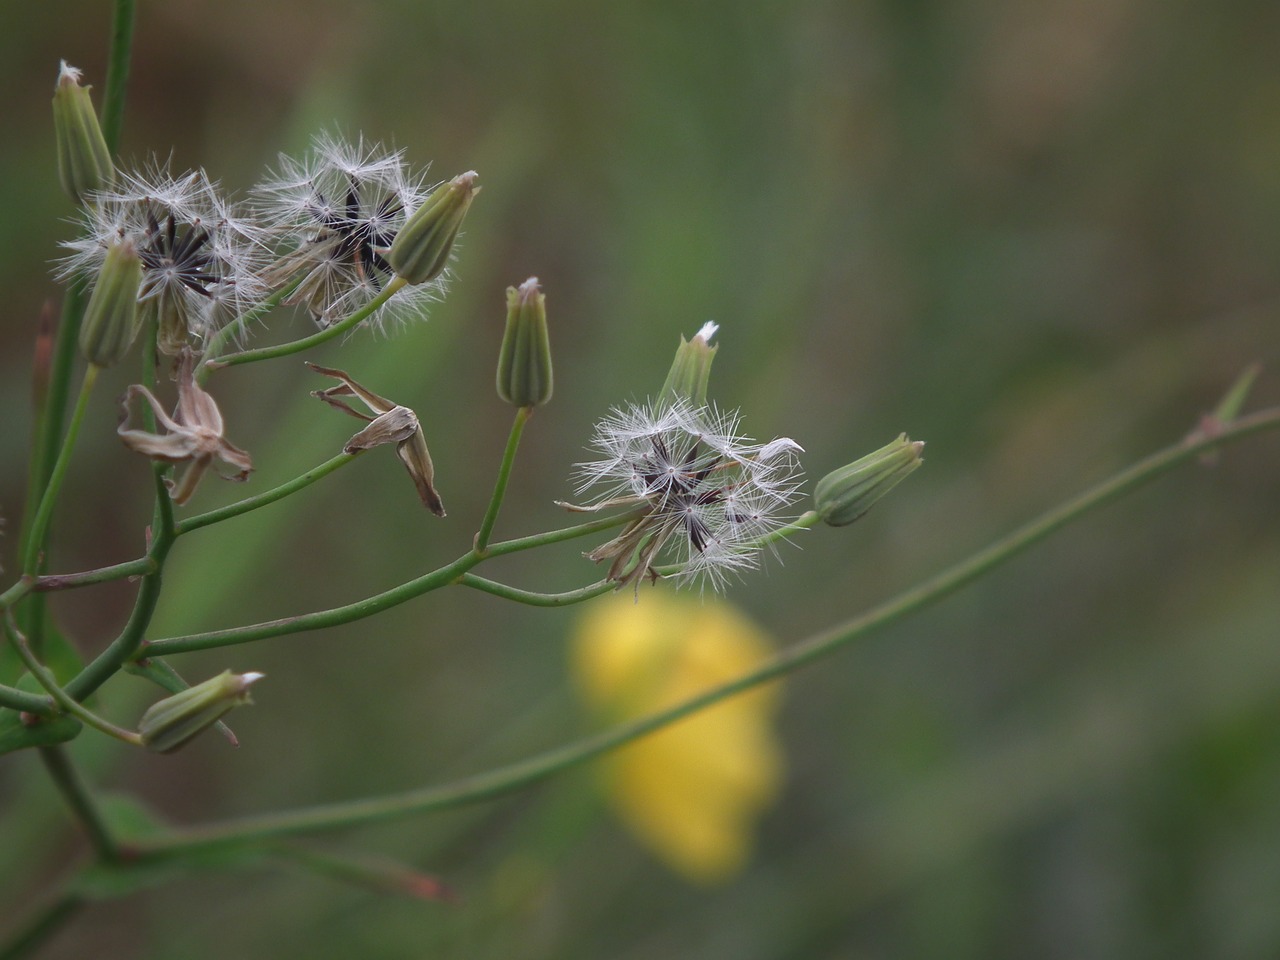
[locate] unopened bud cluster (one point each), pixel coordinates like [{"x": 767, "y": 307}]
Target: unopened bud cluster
[{"x": 84, "y": 162}]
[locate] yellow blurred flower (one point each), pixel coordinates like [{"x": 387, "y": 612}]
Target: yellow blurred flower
[{"x": 692, "y": 792}]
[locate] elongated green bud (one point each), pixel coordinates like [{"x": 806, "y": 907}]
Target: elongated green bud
[
  {"x": 174, "y": 720},
  {"x": 421, "y": 249},
  {"x": 524, "y": 363},
  {"x": 111, "y": 319},
  {"x": 687, "y": 379},
  {"x": 84, "y": 162},
  {"x": 844, "y": 495}
]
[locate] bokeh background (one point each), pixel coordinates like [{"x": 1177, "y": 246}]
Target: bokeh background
[{"x": 1041, "y": 236}]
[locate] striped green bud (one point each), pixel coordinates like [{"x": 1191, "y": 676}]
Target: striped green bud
[
  {"x": 174, "y": 720},
  {"x": 111, "y": 319},
  {"x": 421, "y": 249},
  {"x": 844, "y": 495},
  {"x": 524, "y": 362},
  {"x": 687, "y": 379},
  {"x": 84, "y": 162}
]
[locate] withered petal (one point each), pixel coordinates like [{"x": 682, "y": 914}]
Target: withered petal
[{"x": 379, "y": 405}]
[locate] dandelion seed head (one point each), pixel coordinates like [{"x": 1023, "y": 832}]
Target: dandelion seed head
[{"x": 712, "y": 493}]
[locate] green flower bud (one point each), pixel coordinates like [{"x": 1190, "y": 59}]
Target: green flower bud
[
  {"x": 691, "y": 370},
  {"x": 844, "y": 495},
  {"x": 524, "y": 362},
  {"x": 84, "y": 162},
  {"x": 111, "y": 321},
  {"x": 420, "y": 251},
  {"x": 175, "y": 720}
]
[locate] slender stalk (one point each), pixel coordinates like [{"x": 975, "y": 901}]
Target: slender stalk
[
  {"x": 123, "y": 648},
  {"x": 117, "y": 571},
  {"x": 370, "y": 605},
  {"x": 533, "y": 598},
  {"x": 213, "y": 346},
  {"x": 16, "y": 699},
  {"x": 117, "y": 73},
  {"x": 73, "y": 790},
  {"x": 317, "y": 620},
  {"x": 504, "y": 474},
  {"x": 507, "y": 779},
  {"x": 262, "y": 499},
  {"x": 519, "y": 544},
  {"x": 47, "y": 680},
  {"x": 44, "y": 924},
  {"x": 16, "y": 592},
  {"x": 40, "y": 525},
  {"x": 328, "y": 333}
]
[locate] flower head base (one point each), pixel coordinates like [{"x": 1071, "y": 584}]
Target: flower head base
[
  {"x": 704, "y": 493},
  {"x": 194, "y": 437},
  {"x": 391, "y": 423},
  {"x": 201, "y": 261},
  {"x": 337, "y": 213}
]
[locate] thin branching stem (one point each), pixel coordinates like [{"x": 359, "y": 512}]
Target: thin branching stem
[
  {"x": 44, "y": 676},
  {"x": 534, "y": 598},
  {"x": 117, "y": 571},
  {"x": 306, "y": 343},
  {"x": 44, "y": 513},
  {"x": 81, "y": 801},
  {"x": 320, "y": 619},
  {"x": 504, "y": 475},
  {"x": 47, "y": 921},
  {"x": 505, "y": 780},
  {"x": 262, "y": 499}
]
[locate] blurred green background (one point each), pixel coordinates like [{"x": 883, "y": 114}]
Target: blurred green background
[{"x": 1040, "y": 236}]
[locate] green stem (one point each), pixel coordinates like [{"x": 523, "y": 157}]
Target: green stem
[
  {"x": 125, "y": 646},
  {"x": 262, "y": 499},
  {"x": 318, "y": 620},
  {"x": 47, "y": 680},
  {"x": 504, "y": 547},
  {"x": 504, "y": 474},
  {"x": 44, "y": 924},
  {"x": 533, "y": 598},
  {"x": 16, "y": 699},
  {"x": 117, "y": 571},
  {"x": 370, "y": 605},
  {"x": 40, "y": 525},
  {"x": 505, "y": 780},
  {"x": 117, "y": 74},
  {"x": 76, "y": 794},
  {"x": 213, "y": 346},
  {"x": 296, "y": 346}
]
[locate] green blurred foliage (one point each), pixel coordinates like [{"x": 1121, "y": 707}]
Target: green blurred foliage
[{"x": 1041, "y": 237}]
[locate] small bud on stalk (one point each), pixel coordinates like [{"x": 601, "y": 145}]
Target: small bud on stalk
[
  {"x": 524, "y": 362},
  {"x": 111, "y": 320},
  {"x": 174, "y": 720},
  {"x": 84, "y": 162},
  {"x": 421, "y": 249},
  {"x": 844, "y": 495},
  {"x": 691, "y": 369}
]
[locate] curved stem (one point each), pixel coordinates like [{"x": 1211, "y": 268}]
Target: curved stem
[
  {"x": 504, "y": 474},
  {"x": 47, "y": 680},
  {"x": 370, "y": 605},
  {"x": 40, "y": 525},
  {"x": 16, "y": 699},
  {"x": 297, "y": 346},
  {"x": 533, "y": 598},
  {"x": 117, "y": 571},
  {"x": 317, "y": 620},
  {"x": 505, "y": 780},
  {"x": 213, "y": 346},
  {"x": 262, "y": 499}
]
